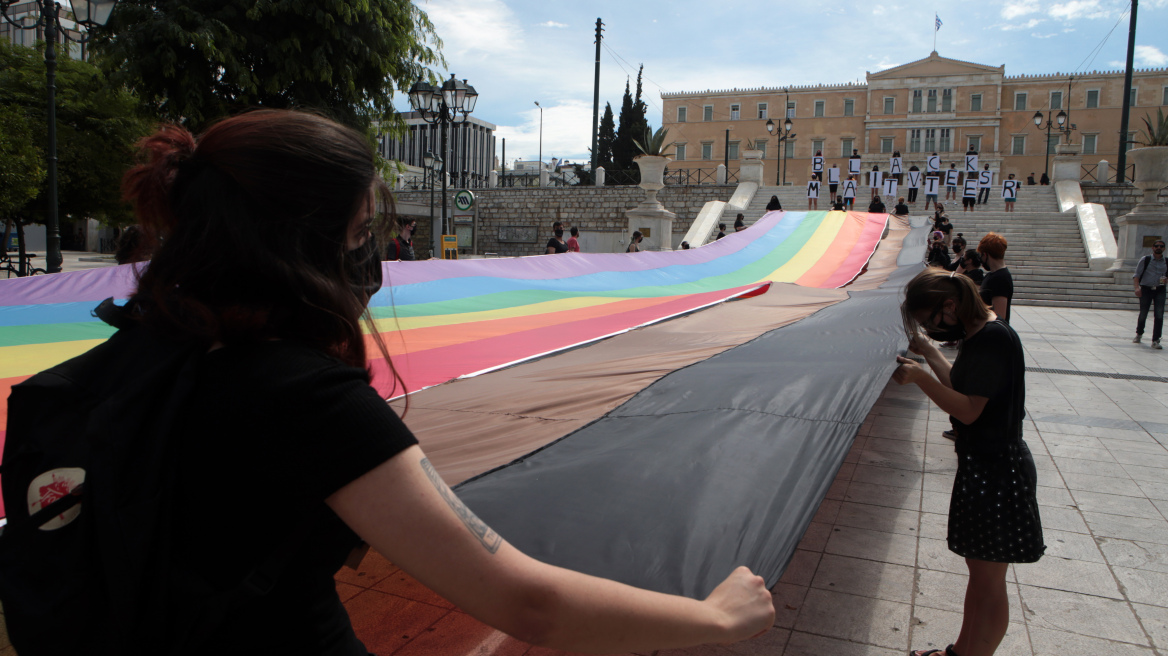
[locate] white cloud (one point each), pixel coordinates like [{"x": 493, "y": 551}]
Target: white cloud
[
  {"x": 1043, "y": 36},
  {"x": 878, "y": 10},
  {"x": 553, "y": 24},
  {"x": 469, "y": 26},
  {"x": 567, "y": 129},
  {"x": 1028, "y": 25},
  {"x": 1150, "y": 56},
  {"x": 1076, "y": 9},
  {"x": 1016, "y": 8}
]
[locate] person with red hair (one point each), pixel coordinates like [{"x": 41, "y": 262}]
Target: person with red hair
[
  {"x": 264, "y": 232},
  {"x": 997, "y": 288}
]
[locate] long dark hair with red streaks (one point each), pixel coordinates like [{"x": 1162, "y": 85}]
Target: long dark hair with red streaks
[{"x": 248, "y": 227}]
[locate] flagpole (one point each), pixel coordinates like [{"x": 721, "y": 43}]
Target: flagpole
[{"x": 934, "y": 32}]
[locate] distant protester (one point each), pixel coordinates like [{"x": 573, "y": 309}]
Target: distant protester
[
  {"x": 635, "y": 242},
  {"x": 901, "y": 208},
  {"x": 721, "y": 231},
  {"x": 739, "y": 223},
  {"x": 401, "y": 247},
  {"x": 556, "y": 244},
  {"x": 876, "y": 206},
  {"x": 131, "y": 246},
  {"x": 997, "y": 289},
  {"x": 774, "y": 204},
  {"x": 685, "y": 245},
  {"x": 574, "y": 240}
]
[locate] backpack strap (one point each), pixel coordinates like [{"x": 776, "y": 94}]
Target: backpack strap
[{"x": 1142, "y": 266}]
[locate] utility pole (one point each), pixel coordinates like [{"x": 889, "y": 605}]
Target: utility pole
[
  {"x": 596, "y": 97},
  {"x": 1121, "y": 171}
]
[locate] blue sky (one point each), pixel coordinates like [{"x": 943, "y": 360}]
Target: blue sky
[{"x": 516, "y": 52}]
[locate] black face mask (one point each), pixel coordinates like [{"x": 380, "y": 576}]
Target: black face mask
[
  {"x": 559, "y": 234},
  {"x": 947, "y": 332},
  {"x": 363, "y": 266}
]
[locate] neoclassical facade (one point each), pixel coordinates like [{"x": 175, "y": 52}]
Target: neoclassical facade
[{"x": 930, "y": 105}]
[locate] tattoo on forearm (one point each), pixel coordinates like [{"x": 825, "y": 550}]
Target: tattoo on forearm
[{"x": 488, "y": 537}]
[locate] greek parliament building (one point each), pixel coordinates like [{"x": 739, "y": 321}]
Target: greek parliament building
[{"x": 930, "y": 105}]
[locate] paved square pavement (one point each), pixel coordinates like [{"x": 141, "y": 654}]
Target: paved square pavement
[{"x": 873, "y": 575}]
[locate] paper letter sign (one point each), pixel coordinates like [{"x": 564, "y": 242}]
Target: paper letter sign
[
  {"x": 854, "y": 165},
  {"x": 934, "y": 164},
  {"x": 932, "y": 183},
  {"x": 875, "y": 179},
  {"x": 833, "y": 175},
  {"x": 849, "y": 188},
  {"x": 890, "y": 187},
  {"x": 970, "y": 189},
  {"x": 813, "y": 189},
  {"x": 914, "y": 179},
  {"x": 1010, "y": 189},
  {"x": 816, "y": 164},
  {"x": 951, "y": 178},
  {"x": 971, "y": 163},
  {"x": 985, "y": 179},
  {"x": 894, "y": 166}
]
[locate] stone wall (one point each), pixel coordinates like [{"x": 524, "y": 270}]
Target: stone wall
[
  {"x": 1119, "y": 199},
  {"x": 516, "y": 222}
]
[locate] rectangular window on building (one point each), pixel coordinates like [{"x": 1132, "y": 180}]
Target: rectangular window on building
[
  {"x": 735, "y": 112},
  {"x": 975, "y": 142},
  {"x": 819, "y": 108},
  {"x": 1020, "y": 101},
  {"x": 762, "y": 110},
  {"x": 930, "y": 140},
  {"x": 946, "y": 142},
  {"x": 849, "y": 107},
  {"x": 679, "y": 152},
  {"x": 789, "y": 148},
  {"x": 916, "y": 107},
  {"x": 931, "y": 103},
  {"x": 946, "y": 100},
  {"x": 681, "y": 114},
  {"x": 1165, "y": 100},
  {"x": 707, "y": 150},
  {"x": 790, "y": 109},
  {"x": 816, "y": 146},
  {"x": 1134, "y": 96},
  {"x": 886, "y": 144},
  {"x": 975, "y": 102},
  {"x": 914, "y": 141},
  {"x": 732, "y": 150},
  {"x": 1089, "y": 143},
  {"x": 1129, "y": 142},
  {"x": 708, "y": 113},
  {"x": 1019, "y": 146},
  {"x": 1051, "y": 142},
  {"x": 889, "y": 104},
  {"x": 1092, "y": 98},
  {"x": 846, "y": 147},
  {"x": 760, "y": 145},
  {"x": 1056, "y": 99}
]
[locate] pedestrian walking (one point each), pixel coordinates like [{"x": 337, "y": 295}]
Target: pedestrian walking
[{"x": 1150, "y": 282}]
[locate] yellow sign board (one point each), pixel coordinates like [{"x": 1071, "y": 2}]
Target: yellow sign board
[{"x": 450, "y": 247}]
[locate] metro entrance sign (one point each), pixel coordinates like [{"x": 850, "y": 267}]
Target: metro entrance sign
[{"x": 463, "y": 199}]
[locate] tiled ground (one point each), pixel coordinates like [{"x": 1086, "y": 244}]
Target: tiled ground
[{"x": 873, "y": 575}]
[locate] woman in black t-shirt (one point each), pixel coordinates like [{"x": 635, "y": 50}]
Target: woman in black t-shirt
[
  {"x": 635, "y": 242},
  {"x": 283, "y": 424},
  {"x": 993, "y": 511},
  {"x": 556, "y": 244},
  {"x": 997, "y": 288}
]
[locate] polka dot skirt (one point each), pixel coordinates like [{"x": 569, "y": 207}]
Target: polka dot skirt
[{"x": 993, "y": 512}]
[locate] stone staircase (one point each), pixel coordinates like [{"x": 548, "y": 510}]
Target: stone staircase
[{"x": 1045, "y": 254}]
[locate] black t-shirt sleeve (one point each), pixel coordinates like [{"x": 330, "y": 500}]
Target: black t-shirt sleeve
[
  {"x": 986, "y": 363},
  {"x": 552, "y": 243},
  {"x": 995, "y": 284}
]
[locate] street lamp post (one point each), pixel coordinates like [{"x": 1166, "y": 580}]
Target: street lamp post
[
  {"x": 540, "y": 134},
  {"x": 432, "y": 162},
  {"x": 1061, "y": 120},
  {"x": 442, "y": 105},
  {"x": 781, "y": 174},
  {"x": 91, "y": 14}
]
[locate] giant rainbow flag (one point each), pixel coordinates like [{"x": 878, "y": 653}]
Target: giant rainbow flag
[{"x": 447, "y": 319}]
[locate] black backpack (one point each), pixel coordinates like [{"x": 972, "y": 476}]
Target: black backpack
[{"x": 91, "y": 570}]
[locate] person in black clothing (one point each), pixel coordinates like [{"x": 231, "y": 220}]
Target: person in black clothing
[
  {"x": 958, "y": 251},
  {"x": 983, "y": 193},
  {"x": 283, "y": 400},
  {"x": 1030, "y": 179},
  {"x": 838, "y": 204},
  {"x": 556, "y": 244},
  {"x": 774, "y": 204},
  {"x": 994, "y": 517},
  {"x": 739, "y": 223},
  {"x": 401, "y": 247},
  {"x": 635, "y": 242},
  {"x": 938, "y": 254},
  {"x": 970, "y": 267},
  {"x": 901, "y": 209},
  {"x": 1045, "y": 179},
  {"x": 721, "y": 231},
  {"x": 912, "y": 191},
  {"x": 946, "y": 229},
  {"x": 876, "y": 206},
  {"x": 997, "y": 289}
]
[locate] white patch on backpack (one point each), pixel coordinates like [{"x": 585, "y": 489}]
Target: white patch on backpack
[{"x": 50, "y": 486}]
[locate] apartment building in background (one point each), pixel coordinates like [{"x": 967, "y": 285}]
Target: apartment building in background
[{"x": 935, "y": 104}]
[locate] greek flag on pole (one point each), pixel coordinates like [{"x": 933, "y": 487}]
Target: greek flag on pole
[{"x": 938, "y": 22}]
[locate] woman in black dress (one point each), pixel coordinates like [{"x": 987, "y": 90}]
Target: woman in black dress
[{"x": 993, "y": 511}]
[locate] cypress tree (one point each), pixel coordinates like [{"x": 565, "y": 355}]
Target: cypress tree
[
  {"x": 623, "y": 148},
  {"x": 606, "y": 138}
]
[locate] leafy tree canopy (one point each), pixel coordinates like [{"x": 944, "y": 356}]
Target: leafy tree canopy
[
  {"x": 605, "y": 138},
  {"x": 97, "y": 127},
  {"x": 200, "y": 60},
  {"x": 21, "y": 162}
]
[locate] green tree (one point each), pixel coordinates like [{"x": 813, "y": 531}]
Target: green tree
[
  {"x": 199, "y": 60},
  {"x": 623, "y": 149},
  {"x": 605, "y": 137},
  {"x": 97, "y": 127},
  {"x": 22, "y": 167}
]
